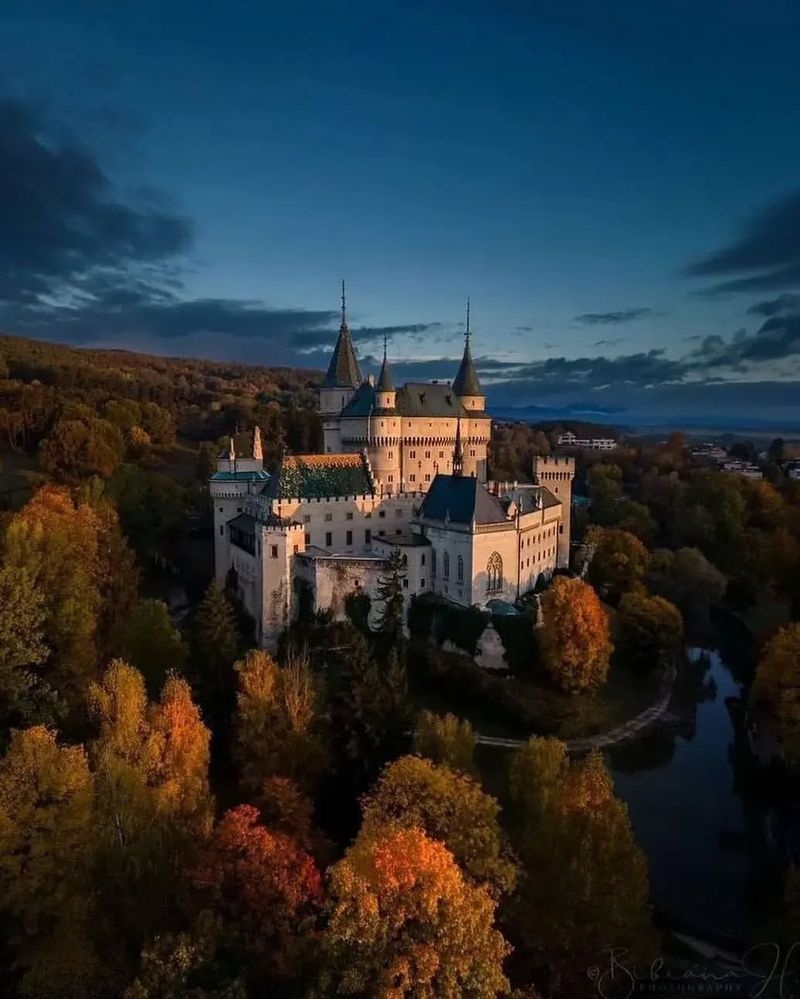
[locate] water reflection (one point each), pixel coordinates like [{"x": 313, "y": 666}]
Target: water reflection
[{"x": 685, "y": 807}]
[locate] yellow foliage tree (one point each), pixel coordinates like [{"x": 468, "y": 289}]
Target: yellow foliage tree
[
  {"x": 153, "y": 802},
  {"x": 405, "y": 922},
  {"x": 277, "y": 715},
  {"x": 449, "y": 806},
  {"x": 45, "y": 856},
  {"x": 445, "y": 739},
  {"x": 775, "y": 697},
  {"x": 574, "y": 639}
]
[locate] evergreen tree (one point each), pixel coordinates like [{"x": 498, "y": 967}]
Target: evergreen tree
[
  {"x": 151, "y": 643},
  {"x": 215, "y": 645},
  {"x": 392, "y": 605}
]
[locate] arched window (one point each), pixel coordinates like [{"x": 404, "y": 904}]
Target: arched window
[
  {"x": 433, "y": 561},
  {"x": 494, "y": 573},
  {"x": 460, "y": 569},
  {"x": 447, "y": 565}
]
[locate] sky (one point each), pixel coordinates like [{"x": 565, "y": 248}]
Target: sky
[{"x": 616, "y": 186}]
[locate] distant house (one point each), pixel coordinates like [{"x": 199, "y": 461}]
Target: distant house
[{"x": 568, "y": 439}]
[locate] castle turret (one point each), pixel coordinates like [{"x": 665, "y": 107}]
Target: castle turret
[
  {"x": 466, "y": 385},
  {"x": 385, "y": 395},
  {"x": 344, "y": 375},
  {"x": 556, "y": 473}
]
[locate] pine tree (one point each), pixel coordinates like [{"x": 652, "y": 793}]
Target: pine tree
[
  {"x": 215, "y": 645},
  {"x": 389, "y": 597}
]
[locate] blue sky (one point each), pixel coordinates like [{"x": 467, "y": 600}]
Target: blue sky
[{"x": 616, "y": 185}]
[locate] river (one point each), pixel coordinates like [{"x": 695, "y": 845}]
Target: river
[{"x": 709, "y": 834}]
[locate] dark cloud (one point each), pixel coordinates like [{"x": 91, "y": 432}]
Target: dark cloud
[
  {"x": 608, "y": 343},
  {"x": 611, "y": 318},
  {"x": 786, "y": 303},
  {"x": 765, "y": 256},
  {"x": 62, "y": 219}
]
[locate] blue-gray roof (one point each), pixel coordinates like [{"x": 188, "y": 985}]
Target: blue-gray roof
[
  {"x": 460, "y": 499},
  {"x": 413, "y": 399}
]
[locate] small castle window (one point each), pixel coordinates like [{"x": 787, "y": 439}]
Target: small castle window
[
  {"x": 306, "y": 518},
  {"x": 328, "y": 539},
  {"x": 381, "y": 513},
  {"x": 446, "y": 562},
  {"x": 367, "y": 536},
  {"x": 460, "y": 569},
  {"x": 274, "y": 551},
  {"x": 349, "y": 538},
  {"x": 390, "y": 478},
  {"x": 422, "y": 559},
  {"x": 411, "y": 454},
  {"x": 349, "y": 516},
  {"x": 412, "y": 478},
  {"x": 433, "y": 561},
  {"x": 328, "y": 517}
]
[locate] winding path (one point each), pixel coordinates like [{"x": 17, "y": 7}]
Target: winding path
[{"x": 622, "y": 733}]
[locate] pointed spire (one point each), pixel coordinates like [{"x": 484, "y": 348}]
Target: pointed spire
[
  {"x": 385, "y": 380},
  {"x": 466, "y": 381},
  {"x": 458, "y": 452},
  {"x": 343, "y": 371}
]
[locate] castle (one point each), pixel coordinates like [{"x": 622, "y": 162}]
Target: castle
[{"x": 402, "y": 468}]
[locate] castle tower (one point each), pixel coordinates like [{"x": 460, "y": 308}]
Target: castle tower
[
  {"x": 340, "y": 383},
  {"x": 467, "y": 385},
  {"x": 556, "y": 473},
  {"x": 385, "y": 395}
]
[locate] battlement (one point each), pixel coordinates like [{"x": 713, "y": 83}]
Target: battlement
[{"x": 557, "y": 462}]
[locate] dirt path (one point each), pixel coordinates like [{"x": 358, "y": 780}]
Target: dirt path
[{"x": 622, "y": 733}]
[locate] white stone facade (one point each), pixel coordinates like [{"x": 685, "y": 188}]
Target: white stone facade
[{"x": 399, "y": 471}]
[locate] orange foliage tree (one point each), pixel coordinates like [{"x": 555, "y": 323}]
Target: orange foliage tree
[
  {"x": 449, "y": 806},
  {"x": 619, "y": 562},
  {"x": 405, "y": 921},
  {"x": 574, "y": 639},
  {"x": 266, "y": 890}
]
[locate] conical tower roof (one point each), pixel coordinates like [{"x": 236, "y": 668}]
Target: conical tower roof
[
  {"x": 466, "y": 381},
  {"x": 385, "y": 380},
  {"x": 343, "y": 371}
]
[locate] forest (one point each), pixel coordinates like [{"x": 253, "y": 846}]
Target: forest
[{"x": 182, "y": 814}]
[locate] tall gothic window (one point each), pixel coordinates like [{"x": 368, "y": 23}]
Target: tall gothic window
[
  {"x": 433, "y": 561},
  {"x": 494, "y": 573},
  {"x": 460, "y": 569},
  {"x": 446, "y": 564}
]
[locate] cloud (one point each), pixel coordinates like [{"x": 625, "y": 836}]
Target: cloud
[
  {"x": 609, "y": 343},
  {"x": 64, "y": 222},
  {"x": 611, "y": 318},
  {"x": 786, "y": 303},
  {"x": 765, "y": 256}
]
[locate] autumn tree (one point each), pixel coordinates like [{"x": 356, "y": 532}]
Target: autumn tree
[
  {"x": 687, "y": 579},
  {"x": 151, "y": 643},
  {"x": 649, "y": 630},
  {"x": 445, "y": 739},
  {"x": 277, "y": 720},
  {"x": 449, "y": 806},
  {"x": 584, "y": 888},
  {"x": 173, "y": 965},
  {"x": 153, "y": 800},
  {"x": 54, "y": 545},
  {"x": 75, "y": 449},
  {"x": 619, "y": 561},
  {"x": 25, "y": 696},
  {"x": 405, "y": 921},
  {"x": 266, "y": 890},
  {"x": 775, "y": 695},
  {"x": 574, "y": 641},
  {"x": 45, "y": 857}
]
